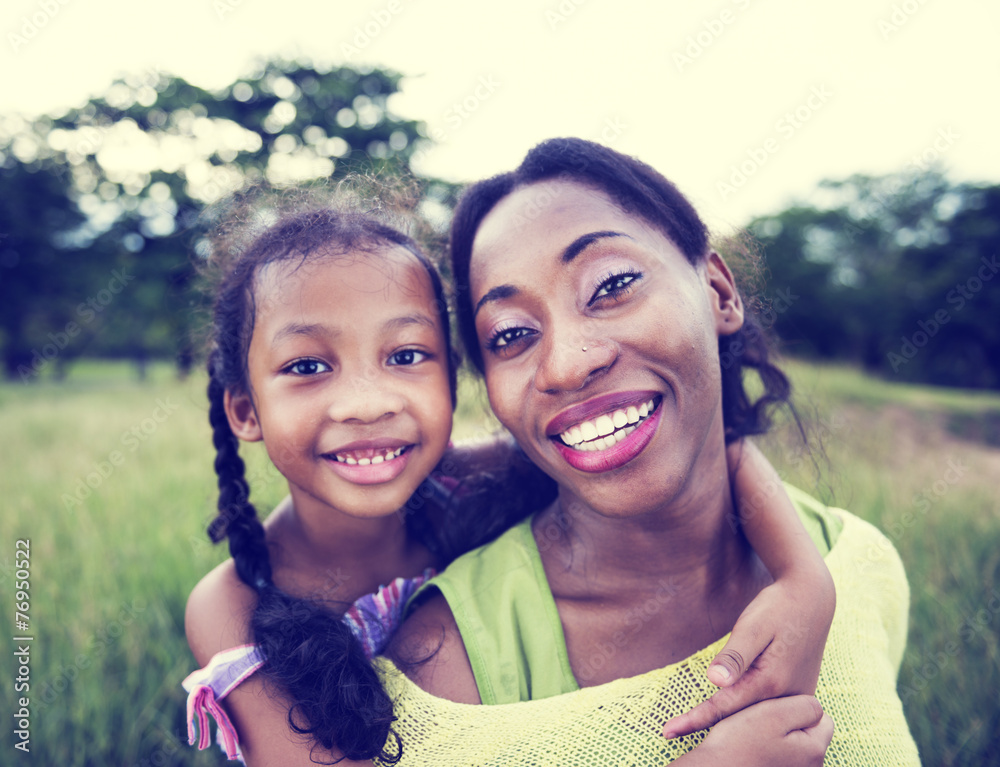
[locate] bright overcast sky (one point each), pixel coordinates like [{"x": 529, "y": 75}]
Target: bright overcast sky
[{"x": 793, "y": 91}]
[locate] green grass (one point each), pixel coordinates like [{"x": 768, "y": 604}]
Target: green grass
[{"x": 110, "y": 573}]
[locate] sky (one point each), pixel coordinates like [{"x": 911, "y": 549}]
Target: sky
[{"x": 745, "y": 104}]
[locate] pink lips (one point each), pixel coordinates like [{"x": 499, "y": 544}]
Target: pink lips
[
  {"x": 372, "y": 474},
  {"x": 620, "y": 453}
]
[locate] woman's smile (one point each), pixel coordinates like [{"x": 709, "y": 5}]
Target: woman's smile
[{"x": 625, "y": 424}]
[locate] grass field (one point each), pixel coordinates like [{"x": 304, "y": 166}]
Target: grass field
[{"x": 112, "y": 561}]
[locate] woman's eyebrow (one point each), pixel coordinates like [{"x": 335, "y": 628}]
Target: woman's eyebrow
[
  {"x": 572, "y": 251},
  {"x": 495, "y": 294},
  {"x": 584, "y": 241}
]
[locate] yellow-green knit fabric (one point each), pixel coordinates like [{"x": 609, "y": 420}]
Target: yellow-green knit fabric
[{"x": 620, "y": 723}]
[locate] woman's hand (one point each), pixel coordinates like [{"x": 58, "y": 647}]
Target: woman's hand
[{"x": 787, "y": 731}]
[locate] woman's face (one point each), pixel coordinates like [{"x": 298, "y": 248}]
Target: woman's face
[{"x": 600, "y": 346}]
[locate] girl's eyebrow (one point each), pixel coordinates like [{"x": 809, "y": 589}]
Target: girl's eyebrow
[
  {"x": 316, "y": 329},
  {"x": 300, "y": 329},
  {"x": 571, "y": 251}
]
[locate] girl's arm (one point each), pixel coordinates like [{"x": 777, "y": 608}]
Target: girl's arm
[{"x": 777, "y": 644}]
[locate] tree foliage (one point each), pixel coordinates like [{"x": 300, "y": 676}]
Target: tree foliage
[
  {"x": 105, "y": 201},
  {"x": 897, "y": 273}
]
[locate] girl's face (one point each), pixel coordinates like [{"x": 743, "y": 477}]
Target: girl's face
[
  {"x": 348, "y": 372},
  {"x": 600, "y": 345}
]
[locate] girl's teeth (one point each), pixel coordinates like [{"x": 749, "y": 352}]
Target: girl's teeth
[
  {"x": 374, "y": 460},
  {"x": 606, "y": 430}
]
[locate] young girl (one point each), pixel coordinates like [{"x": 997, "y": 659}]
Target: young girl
[{"x": 330, "y": 344}]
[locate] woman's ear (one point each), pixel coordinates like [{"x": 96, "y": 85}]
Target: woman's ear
[
  {"x": 727, "y": 306},
  {"x": 242, "y": 416}
]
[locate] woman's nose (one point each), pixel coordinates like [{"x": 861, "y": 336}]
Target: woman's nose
[
  {"x": 568, "y": 364},
  {"x": 365, "y": 397}
]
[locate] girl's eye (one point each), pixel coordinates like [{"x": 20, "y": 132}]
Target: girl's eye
[
  {"x": 306, "y": 367},
  {"x": 616, "y": 285},
  {"x": 505, "y": 337},
  {"x": 408, "y": 357}
]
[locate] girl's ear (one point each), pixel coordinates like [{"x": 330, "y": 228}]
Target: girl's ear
[
  {"x": 727, "y": 306},
  {"x": 242, "y": 416}
]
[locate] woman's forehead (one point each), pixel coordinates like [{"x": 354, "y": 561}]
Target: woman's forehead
[{"x": 542, "y": 220}]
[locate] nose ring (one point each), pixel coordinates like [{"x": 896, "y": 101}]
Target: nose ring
[{"x": 585, "y": 348}]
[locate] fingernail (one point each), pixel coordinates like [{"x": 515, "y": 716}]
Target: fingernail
[
  {"x": 723, "y": 672},
  {"x": 668, "y": 734}
]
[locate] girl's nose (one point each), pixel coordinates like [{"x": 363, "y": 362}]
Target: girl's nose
[
  {"x": 569, "y": 364},
  {"x": 366, "y": 397}
]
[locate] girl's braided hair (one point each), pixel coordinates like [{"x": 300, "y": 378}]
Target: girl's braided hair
[{"x": 312, "y": 655}]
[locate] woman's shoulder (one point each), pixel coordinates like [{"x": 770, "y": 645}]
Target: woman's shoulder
[{"x": 218, "y": 612}]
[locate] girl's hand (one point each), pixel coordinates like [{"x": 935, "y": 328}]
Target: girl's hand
[
  {"x": 774, "y": 651},
  {"x": 787, "y": 731}
]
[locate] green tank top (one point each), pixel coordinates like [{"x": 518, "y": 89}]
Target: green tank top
[{"x": 508, "y": 618}]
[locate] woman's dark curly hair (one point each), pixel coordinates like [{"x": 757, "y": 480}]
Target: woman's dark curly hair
[
  {"x": 312, "y": 655},
  {"x": 641, "y": 191}
]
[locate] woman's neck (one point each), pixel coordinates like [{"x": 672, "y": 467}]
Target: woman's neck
[{"x": 694, "y": 537}]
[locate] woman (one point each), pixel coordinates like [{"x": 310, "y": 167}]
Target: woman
[{"x": 589, "y": 296}]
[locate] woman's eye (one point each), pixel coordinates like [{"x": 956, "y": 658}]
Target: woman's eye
[
  {"x": 615, "y": 285},
  {"x": 506, "y": 337},
  {"x": 307, "y": 368},
  {"x": 407, "y": 357}
]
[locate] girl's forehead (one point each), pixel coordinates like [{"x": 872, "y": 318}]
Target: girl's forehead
[{"x": 351, "y": 281}]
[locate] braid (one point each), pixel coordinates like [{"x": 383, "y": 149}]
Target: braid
[{"x": 237, "y": 517}]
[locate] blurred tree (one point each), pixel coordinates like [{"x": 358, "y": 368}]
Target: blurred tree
[
  {"x": 893, "y": 273},
  {"x": 138, "y": 164}
]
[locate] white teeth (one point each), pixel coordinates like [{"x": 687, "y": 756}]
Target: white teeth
[
  {"x": 606, "y": 430},
  {"x": 604, "y": 425},
  {"x": 352, "y": 461}
]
